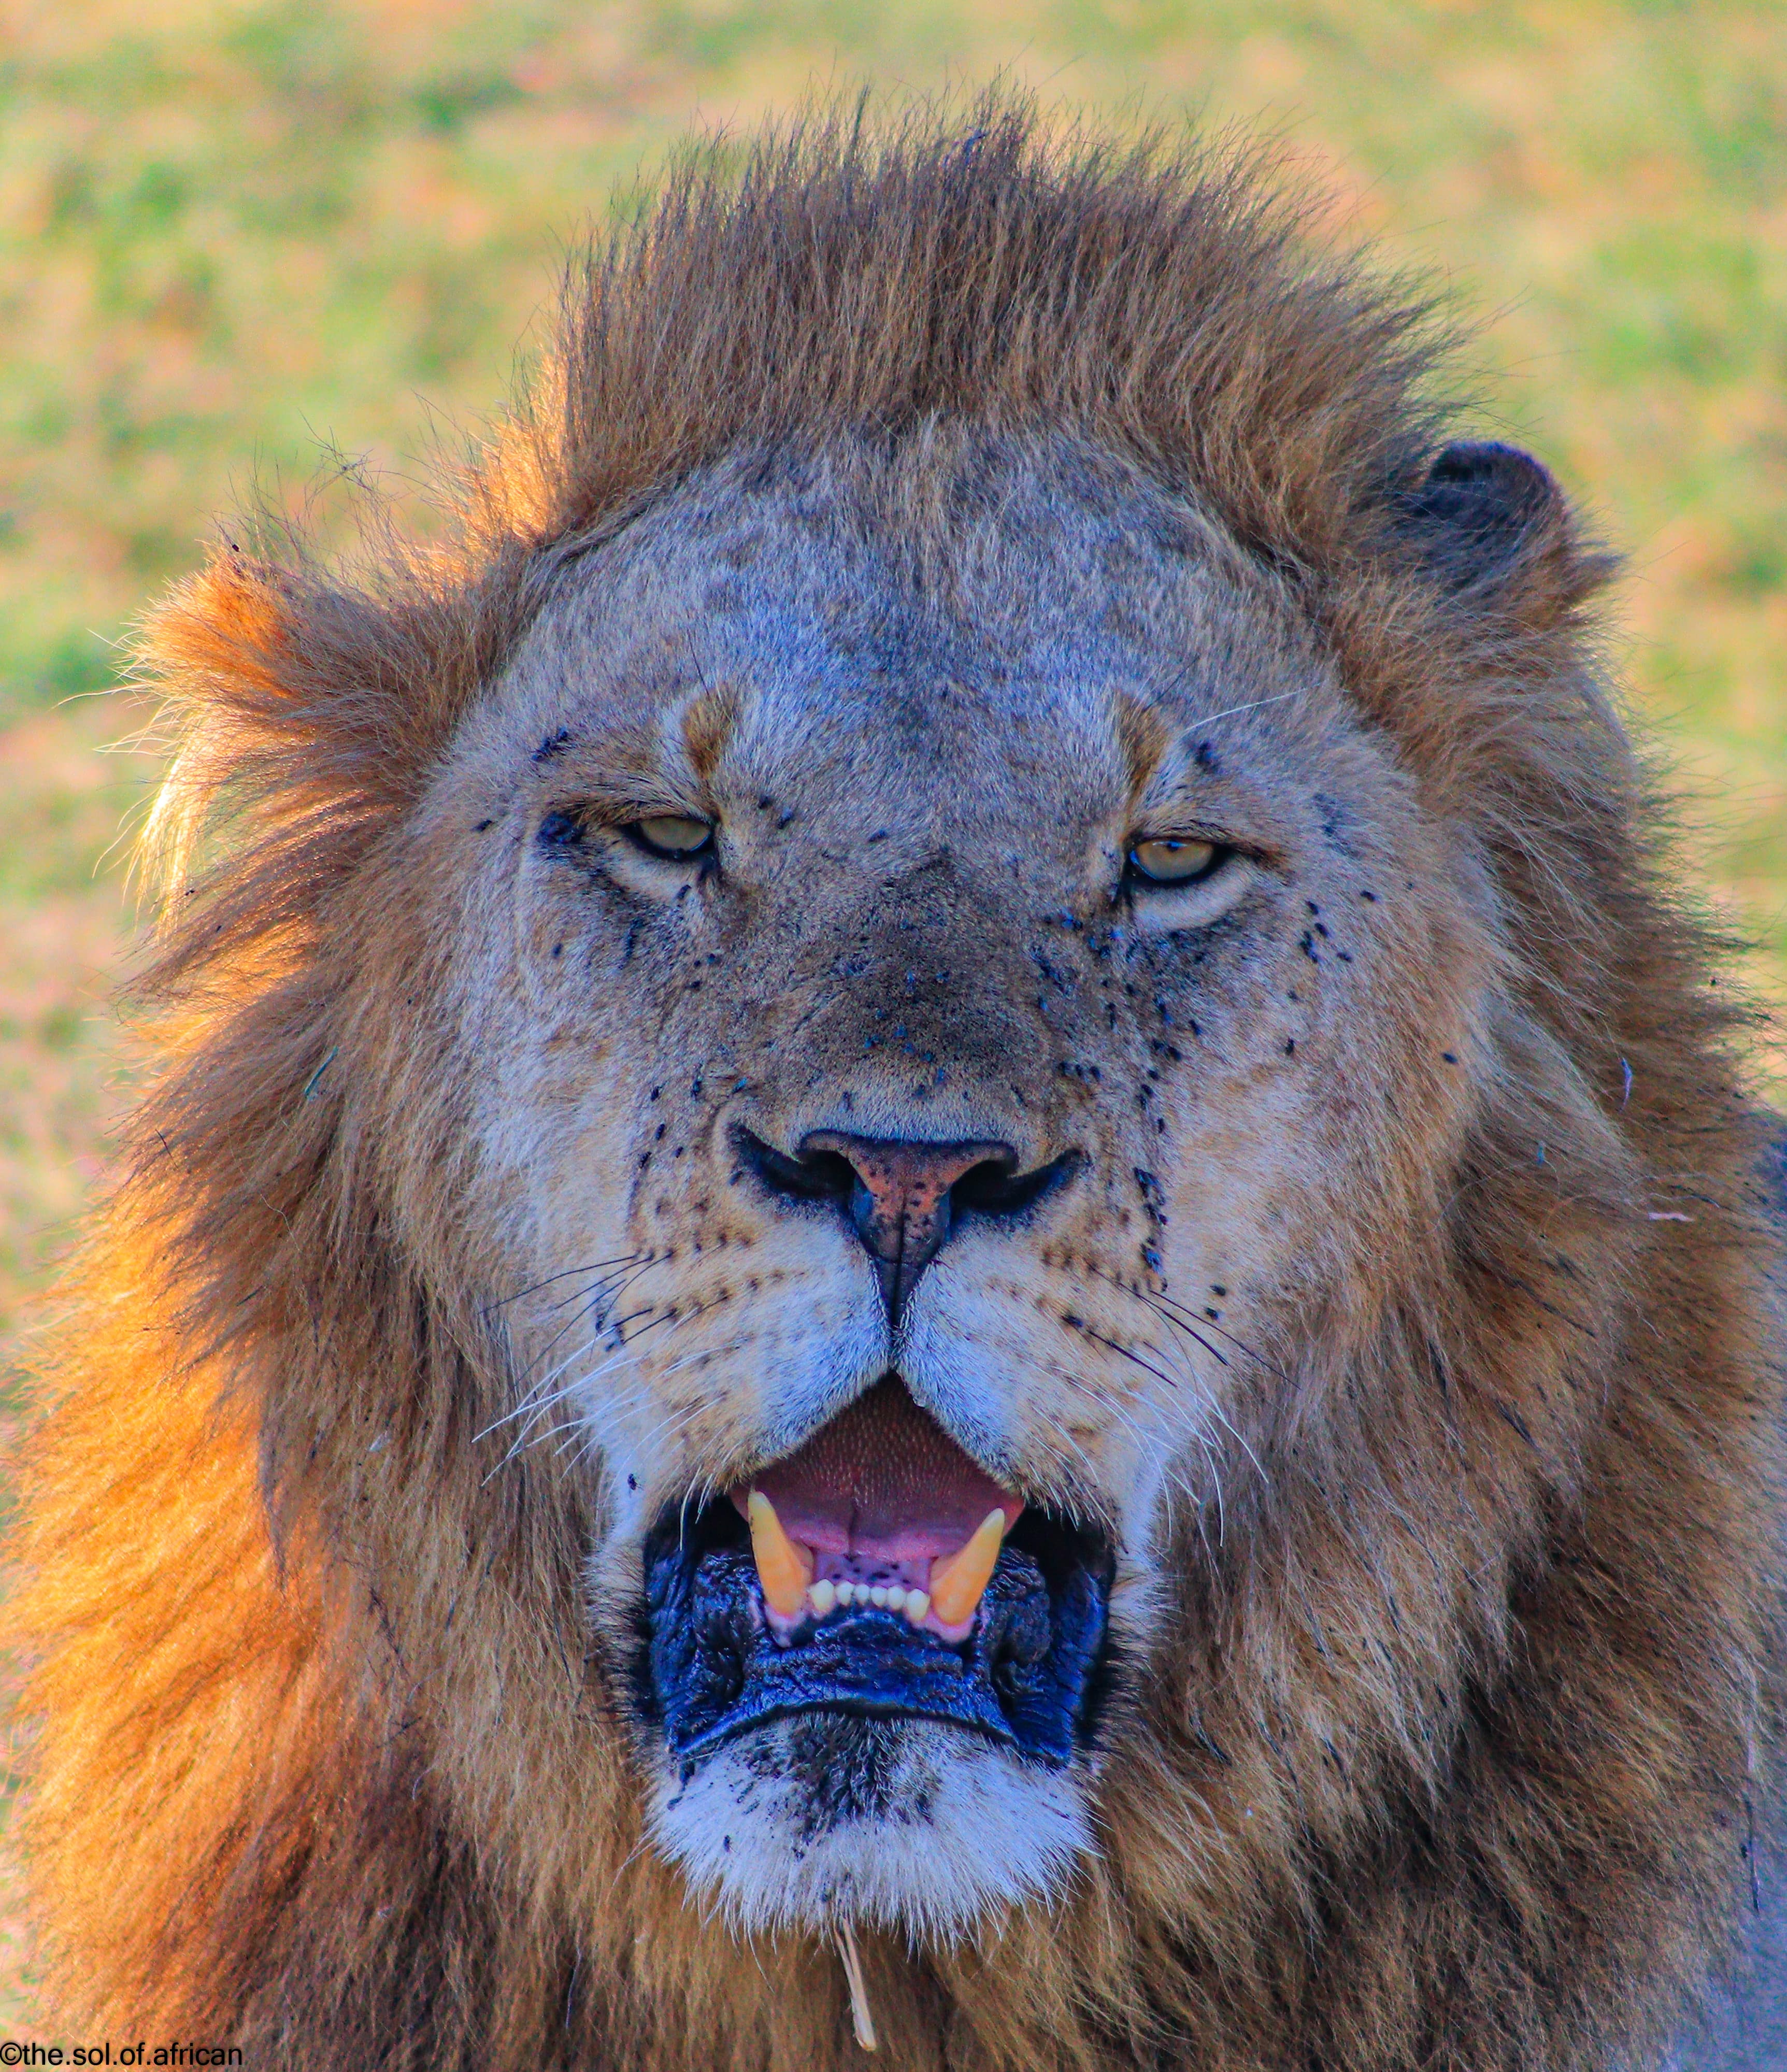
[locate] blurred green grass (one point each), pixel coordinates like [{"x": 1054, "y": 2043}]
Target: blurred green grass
[{"x": 235, "y": 238}]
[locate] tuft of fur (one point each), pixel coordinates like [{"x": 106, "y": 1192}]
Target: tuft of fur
[{"x": 328, "y": 1765}]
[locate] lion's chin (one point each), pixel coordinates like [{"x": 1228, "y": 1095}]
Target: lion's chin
[{"x": 909, "y": 1825}]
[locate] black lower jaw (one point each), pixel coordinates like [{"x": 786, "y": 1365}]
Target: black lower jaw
[{"x": 1028, "y": 1678}]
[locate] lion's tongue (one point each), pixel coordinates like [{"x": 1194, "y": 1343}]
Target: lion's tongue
[{"x": 881, "y": 1489}]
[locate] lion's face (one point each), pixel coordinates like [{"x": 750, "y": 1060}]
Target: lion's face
[{"x": 952, "y": 1008}]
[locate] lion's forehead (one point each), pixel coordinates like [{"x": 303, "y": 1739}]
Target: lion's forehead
[{"x": 874, "y": 653}]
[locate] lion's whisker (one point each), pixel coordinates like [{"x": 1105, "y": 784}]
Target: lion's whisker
[
  {"x": 522, "y": 1441},
  {"x": 565, "y": 1273},
  {"x": 1229, "y": 1425},
  {"x": 586, "y": 1442},
  {"x": 665, "y": 1427},
  {"x": 533, "y": 1399},
  {"x": 609, "y": 1286},
  {"x": 1215, "y": 1407},
  {"x": 535, "y": 1405},
  {"x": 1175, "y": 1480},
  {"x": 1129, "y": 1353},
  {"x": 544, "y": 1382},
  {"x": 1190, "y": 1330},
  {"x": 585, "y": 1305},
  {"x": 1233, "y": 712},
  {"x": 1162, "y": 1302}
]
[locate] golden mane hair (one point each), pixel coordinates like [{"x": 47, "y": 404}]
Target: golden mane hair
[{"x": 1460, "y": 1768}]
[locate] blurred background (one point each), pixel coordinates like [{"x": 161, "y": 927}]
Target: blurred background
[{"x": 283, "y": 245}]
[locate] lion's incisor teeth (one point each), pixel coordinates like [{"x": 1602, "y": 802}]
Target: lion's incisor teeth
[
  {"x": 783, "y": 1569},
  {"x": 958, "y": 1584}
]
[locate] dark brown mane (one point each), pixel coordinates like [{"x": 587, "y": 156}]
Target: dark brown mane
[{"x": 1459, "y": 1770}]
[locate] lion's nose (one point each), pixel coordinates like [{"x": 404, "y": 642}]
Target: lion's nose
[{"x": 902, "y": 1195}]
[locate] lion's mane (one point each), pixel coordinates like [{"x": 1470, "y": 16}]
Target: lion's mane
[{"x": 326, "y": 1764}]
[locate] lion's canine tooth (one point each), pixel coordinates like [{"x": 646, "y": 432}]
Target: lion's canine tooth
[
  {"x": 783, "y": 1569},
  {"x": 823, "y": 1596},
  {"x": 917, "y": 1605},
  {"x": 958, "y": 1584}
]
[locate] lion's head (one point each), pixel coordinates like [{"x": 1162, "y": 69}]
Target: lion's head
[
  {"x": 942, "y": 1129},
  {"x": 938, "y": 1002}
]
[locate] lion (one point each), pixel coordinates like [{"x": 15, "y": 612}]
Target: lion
[{"x": 951, "y": 1239}]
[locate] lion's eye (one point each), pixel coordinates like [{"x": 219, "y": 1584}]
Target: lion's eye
[
  {"x": 670, "y": 835},
  {"x": 1174, "y": 859}
]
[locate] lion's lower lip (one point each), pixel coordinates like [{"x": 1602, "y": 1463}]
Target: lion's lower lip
[{"x": 711, "y": 1671}]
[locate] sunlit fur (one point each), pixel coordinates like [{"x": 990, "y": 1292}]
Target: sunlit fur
[{"x": 1446, "y": 1700}]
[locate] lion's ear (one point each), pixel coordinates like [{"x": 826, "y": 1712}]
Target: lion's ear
[{"x": 1491, "y": 522}]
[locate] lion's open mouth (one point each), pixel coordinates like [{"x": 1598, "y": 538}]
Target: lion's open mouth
[{"x": 879, "y": 1572}]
